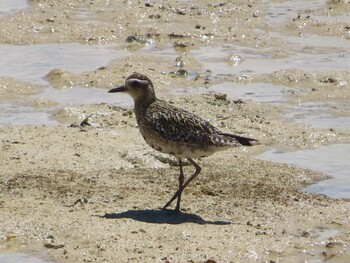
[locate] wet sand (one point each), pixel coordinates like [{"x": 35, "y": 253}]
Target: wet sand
[{"x": 90, "y": 191}]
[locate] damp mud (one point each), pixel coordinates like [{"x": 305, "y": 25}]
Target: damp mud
[{"x": 79, "y": 184}]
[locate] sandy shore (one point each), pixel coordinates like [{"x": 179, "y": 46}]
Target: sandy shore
[{"x": 91, "y": 191}]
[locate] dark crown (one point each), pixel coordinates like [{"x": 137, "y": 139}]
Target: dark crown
[{"x": 140, "y": 77}]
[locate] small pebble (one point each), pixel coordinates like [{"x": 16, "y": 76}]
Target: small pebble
[{"x": 221, "y": 96}]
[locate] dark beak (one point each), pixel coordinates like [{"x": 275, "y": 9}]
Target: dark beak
[{"x": 119, "y": 89}]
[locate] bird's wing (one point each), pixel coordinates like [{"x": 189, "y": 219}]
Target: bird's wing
[{"x": 178, "y": 125}]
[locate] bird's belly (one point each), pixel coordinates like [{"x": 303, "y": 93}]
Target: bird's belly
[{"x": 181, "y": 149}]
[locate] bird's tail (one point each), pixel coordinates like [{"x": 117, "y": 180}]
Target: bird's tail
[{"x": 242, "y": 140}]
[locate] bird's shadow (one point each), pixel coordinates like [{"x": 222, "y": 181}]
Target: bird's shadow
[{"x": 162, "y": 216}]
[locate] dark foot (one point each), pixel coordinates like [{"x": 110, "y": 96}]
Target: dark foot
[{"x": 171, "y": 210}]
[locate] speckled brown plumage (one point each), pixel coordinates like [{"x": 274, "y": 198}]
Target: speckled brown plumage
[{"x": 175, "y": 131}]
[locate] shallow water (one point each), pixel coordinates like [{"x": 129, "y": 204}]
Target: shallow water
[
  {"x": 9, "y": 7},
  {"x": 20, "y": 114},
  {"x": 20, "y": 258},
  {"x": 262, "y": 61},
  {"x": 33, "y": 62},
  {"x": 257, "y": 92},
  {"x": 331, "y": 160},
  {"x": 279, "y": 12},
  {"x": 319, "y": 115}
]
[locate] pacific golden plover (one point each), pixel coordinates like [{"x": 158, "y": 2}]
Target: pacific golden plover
[{"x": 175, "y": 131}]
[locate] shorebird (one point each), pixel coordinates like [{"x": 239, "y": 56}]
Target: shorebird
[{"x": 175, "y": 131}]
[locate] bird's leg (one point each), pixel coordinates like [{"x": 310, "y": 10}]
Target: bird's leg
[
  {"x": 198, "y": 170},
  {"x": 181, "y": 182},
  {"x": 179, "y": 191}
]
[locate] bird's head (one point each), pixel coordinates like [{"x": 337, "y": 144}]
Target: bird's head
[{"x": 138, "y": 86}]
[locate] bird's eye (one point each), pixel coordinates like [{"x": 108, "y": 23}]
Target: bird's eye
[{"x": 135, "y": 83}]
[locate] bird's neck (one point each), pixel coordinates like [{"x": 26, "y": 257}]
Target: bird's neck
[{"x": 141, "y": 107}]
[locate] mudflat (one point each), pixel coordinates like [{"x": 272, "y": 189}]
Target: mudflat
[{"x": 90, "y": 189}]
